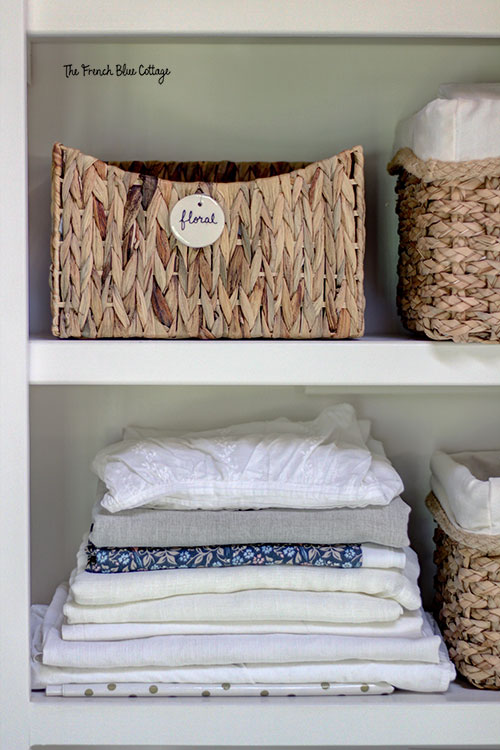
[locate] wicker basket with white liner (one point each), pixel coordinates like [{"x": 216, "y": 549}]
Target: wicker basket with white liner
[
  {"x": 288, "y": 263},
  {"x": 468, "y": 561},
  {"x": 448, "y": 168}
]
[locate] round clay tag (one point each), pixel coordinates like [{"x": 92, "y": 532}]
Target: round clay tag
[{"x": 197, "y": 220}]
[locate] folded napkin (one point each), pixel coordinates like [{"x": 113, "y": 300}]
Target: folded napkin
[
  {"x": 191, "y": 650},
  {"x": 130, "y": 560},
  {"x": 318, "y": 464},
  {"x": 405, "y": 675},
  {"x": 254, "y": 605},
  {"x": 408, "y": 625},
  {"x": 147, "y": 527},
  {"x": 90, "y": 589}
]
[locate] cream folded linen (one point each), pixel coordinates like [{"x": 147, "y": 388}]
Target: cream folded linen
[
  {"x": 254, "y": 605},
  {"x": 458, "y": 129},
  {"x": 318, "y": 464},
  {"x": 118, "y": 588},
  {"x": 405, "y": 675},
  {"x": 176, "y": 689},
  {"x": 408, "y": 625},
  {"x": 468, "y": 487},
  {"x": 186, "y": 650}
]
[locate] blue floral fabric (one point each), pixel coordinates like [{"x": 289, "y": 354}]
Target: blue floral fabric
[{"x": 131, "y": 559}]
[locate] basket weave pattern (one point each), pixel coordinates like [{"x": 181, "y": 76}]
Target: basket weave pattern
[
  {"x": 467, "y": 600},
  {"x": 288, "y": 264},
  {"x": 449, "y": 248}
]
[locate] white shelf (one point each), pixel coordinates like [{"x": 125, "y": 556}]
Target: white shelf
[
  {"x": 465, "y": 18},
  {"x": 391, "y": 361},
  {"x": 460, "y": 717}
]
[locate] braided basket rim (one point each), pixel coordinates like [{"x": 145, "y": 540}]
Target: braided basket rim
[
  {"x": 447, "y": 172},
  {"x": 307, "y": 170},
  {"x": 489, "y": 544}
]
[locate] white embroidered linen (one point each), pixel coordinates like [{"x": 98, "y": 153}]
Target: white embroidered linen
[
  {"x": 258, "y": 605},
  {"x": 323, "y": 463},
  {"x": 184, "y": 650},
  {"x": 461, "y": 128},
  {"x": 119, "y": 588},
  {"x": 406, "y": 675},
  {"x": 468, "y": 487},
  {"x": 408, "y": 625}
]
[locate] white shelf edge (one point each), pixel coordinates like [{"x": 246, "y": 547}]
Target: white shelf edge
[
  {"x": 446, "y": 18},
  {"x": 367, "y": 362},
  {"x": 460, "y": 717}
]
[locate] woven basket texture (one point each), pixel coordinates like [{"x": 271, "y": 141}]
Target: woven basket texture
[
  {"x": 467, "y": 599},
  {"x": 449, "y": 247},
  {"x": 288, "y": 264}
]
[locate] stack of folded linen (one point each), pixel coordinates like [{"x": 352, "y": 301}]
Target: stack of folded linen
[{"x": 267, "y": 558}]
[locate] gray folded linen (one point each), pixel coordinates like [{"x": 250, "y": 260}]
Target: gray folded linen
[{"x": 147, "y": 527}]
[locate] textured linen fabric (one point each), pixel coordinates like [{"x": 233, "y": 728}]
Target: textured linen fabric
[
  {"x": 408, "y": 625},
  {"x": 468, "y": 487},
  {"x": 176, "y": 689},
  {"x": 186, "y": 650},
  {"x": 257, "y": 605},
  {"x": 146, "y": 527},
  {"x": 455, "y": 129},
  {"x": 132, "y": 559},
  {"x": 90, "y": 589},
  {"x": 406, "y": 675},
  {"x": 318, "y": 464}
]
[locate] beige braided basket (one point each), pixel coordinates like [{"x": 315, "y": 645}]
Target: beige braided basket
[
  {"x": 467, "y": 598},
  {"x": 288, "y": 264},
  {"x": 449, "y": 247}
]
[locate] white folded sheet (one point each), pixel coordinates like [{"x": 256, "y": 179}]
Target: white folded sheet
[
  {"x": 409, "y": 625},
  {"x": 186, "y": 650},
  {"x": 405, "y": 675},
  {"x": 254, "y": 605},
  {"x": 118, "y": 588},
  {"x": 468, "y": 487},
  {"x": 323, "y": 463}
]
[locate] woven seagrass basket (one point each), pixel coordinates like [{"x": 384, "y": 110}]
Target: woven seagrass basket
[
  {"x": 449, "y": 247},
  {"x": 288, "y": 264},
  {"x": 467, "y": 598}
]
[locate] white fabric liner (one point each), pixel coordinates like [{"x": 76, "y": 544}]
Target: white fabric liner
[
  {"x": 468, "y": 487},
  {"x": 404, "y": 675},
  {"x": 323, "y": 463},
  {"x": 186, "y": 650},
  {"x": 462, "y": 127},
  {"x": 96, "y": 589}
]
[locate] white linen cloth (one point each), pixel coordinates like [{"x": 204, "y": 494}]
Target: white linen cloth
[
  {"x": 186, "y": 650},
  {"x": 462, "y": 128},
  {"x": 257, "y": 605},
  {"x": 323, "y": 463},
  {"x": 468, "y": 487},
  {"x": 119, "y": 588},
  {"x": 405, "y": 675},
  {"x": 408, "y": 625},
  {"x": 176, "y": 689}
]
